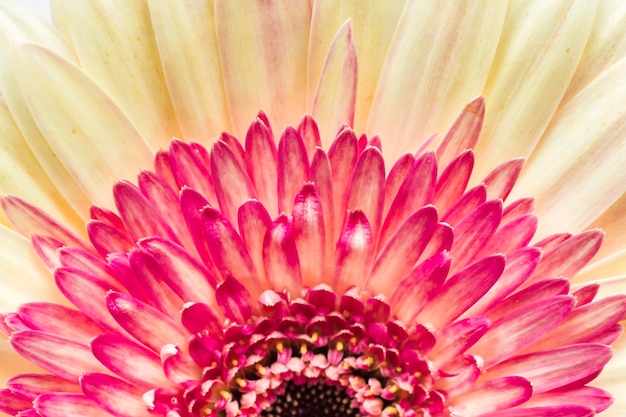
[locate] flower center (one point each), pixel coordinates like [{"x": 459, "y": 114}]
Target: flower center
[{"x": 317, "y": 400}]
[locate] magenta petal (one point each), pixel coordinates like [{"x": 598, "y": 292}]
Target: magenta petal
[
  {"x": 87, "y": 262},
  {"x": 67, "y": 404},
  {"x": 12, "y": 404},
  {"x": 108, "y": 239},
  {"x": 594, "y": 398},
  {"x": 234, "y": 300},
  {"x": 63, "y": 357},
  {"x": 30, "y": 386},
  {"x": 59, "y": 320},
  {"x": 190, "y": 280},
  {"x": 453, "y": 180},
  {"x": 342, "y": 155},
  {"x": 472, "y": 198},
  {"x": 144, "y": 322},
  {"x": 293, "y": 168},
  {"x": 492, "y": 395},
  {"x": 473, "y": 233},
  {"x": 454, "y": 339},
  {"x": 322, "y": 178},
  {"x": 179, "y": 367},
  {"x": 119, "y": 398},
  {"x": 189, "y": 170},
  {"x": 129, "y": 360},
  {"x": 367, "y": 188},
  {"x": 461, "y": 291},
  {"x": 280, "y": 257},
  {"x": 254, "y": 220},
  {"x": 310, "y": 235},
  {"x": 395, "y": 178},
  {"x": 191, "y": 203},
  {"x": 519, "y": 266},
  {"x": 551, "y": 369},
  {"x": 232, "y": 184},
  {"x": 261, "y": 163},
  {"x": 227, "y": 249},
  {"x": 416, "y": 191},
  {"x": 353, "y": 254},
  {"x": 519, "y": 329},
  {"x": 402, "y": 251},
  {"x": 420, "y": 285}
]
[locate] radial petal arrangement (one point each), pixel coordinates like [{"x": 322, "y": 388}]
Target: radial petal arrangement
[{"x": 225, "y": 208}]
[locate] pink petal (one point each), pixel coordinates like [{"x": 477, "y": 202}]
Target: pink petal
[
  {"x": 293, "y": 168},
  {"x": 353, "y": 254},
  {"x": 496, "y": 394},
  {"x": 464, "y": 132},
  {"x": 261, "y": 163},
  {"x": 64, "y": 405},
  {"x": 551, "y": 369},
  {"x": 453, "y": 180},
  {"x": 32, "y": 385},
  {"x": 119, "y": 398},
  {"x": 232, "y": 184},
  {"x": 367, "y": 188},
  {"x": 567, "y": 410},
  {"x": 416, "y": 191},
  {"x": 321, "y": 177},
  {"x": 234, "y": 300},
  {"x": 402, "y": 251},
  {"x": 310, "y": 235},
  {"x": 189, "y": 170},
  {"x": 395, "y": 178},
  {"x": 310, "y": 134},
  {"x": 501, "y": 180},
  {"x": 461, "y": 291},
  {"x": 514, "y": 332},
  {"x": 59, "y": 320},
  {"x": 253, "y": 220},
  {"x": 280, "y": 257},
  {"x": 471, "y": 200},
  {"x": 595, "y": 398},
  {"x": 343, "y": 154},
  {"x": 108, "y": 239},
  {"x": 63, "y": 357},
  {"x": 129, "y": 360},
  {"x": 144, "y": 322}
]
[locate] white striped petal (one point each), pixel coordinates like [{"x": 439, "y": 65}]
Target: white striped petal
[
  {"x": 580, "y": 160},
  {"x": 263, "y": 49},
  {"x": 431, "y": 72},
  {"x": 94, "y": 140},
  {"x": 541, "y": 44},
  {"x": 187, "y": 41},
  {"x": 115, "y": 45},
  {"x": 373, "y": 24}
]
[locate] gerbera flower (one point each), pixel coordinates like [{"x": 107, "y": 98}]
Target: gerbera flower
[{"x": 353, "y": 262}]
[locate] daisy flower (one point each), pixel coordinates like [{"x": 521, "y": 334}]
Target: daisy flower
[{"x": 313, "y": 208}]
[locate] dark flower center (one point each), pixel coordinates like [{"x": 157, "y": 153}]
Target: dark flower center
[{"x": 319, "y": 400}]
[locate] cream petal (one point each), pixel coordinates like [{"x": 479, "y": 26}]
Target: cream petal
[
  {"x": 105, "y": 146},
  {"x": 336, "y": 91},
  {"x": 580, "y": 160},
  {"x": 12, "y": 364},
  {"x": 18, "y": 25},
  {"x": 373, "y": 24},
  {"x": 115, "y": 46},
  {"x": 541, "y": 44},
  {"x": 612, "y": 379},
  {"x": 263, "y": 49},
  {"x": 187, "y": 41},
  {"x": 606, "y": 46},
  {"x": 431, "y": 72},
  {"x": 20, "y": 173},
  {"x": 22, "y": 271},
  {"x": 610, "y": 266}
]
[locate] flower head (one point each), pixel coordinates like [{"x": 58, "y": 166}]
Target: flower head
[{"x": 299, "y": 271}]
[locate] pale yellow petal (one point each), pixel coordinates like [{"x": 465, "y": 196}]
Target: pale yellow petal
[
  {"x": 336, "y": 91},
  {"x": 115, "y": 45},
  {"x": 606, "y": 45},
  {"x": 21, "y": 174},
  {"x": 88, "y": 132},
  {"x": 438, "y": 61},
  {"x": 540, "y": 47},
  {"x": 18, "y": 25},
  {"x": 24, "y": 278},
  {"x": 577, "y": 170},
  {"x": 263, "y": 49},
  {"x": 187, "y": 41},
  {"x": 373, "y": 24}
]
